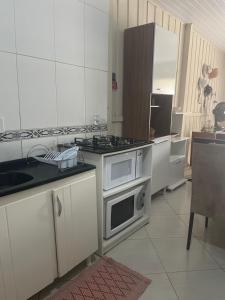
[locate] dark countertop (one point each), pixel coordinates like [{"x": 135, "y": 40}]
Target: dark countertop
[
  {"x": 106, "y": 150},
  {"x": 42, "y": 173}
]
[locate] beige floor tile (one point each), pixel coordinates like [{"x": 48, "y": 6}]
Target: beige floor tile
[
  {"x": 199, "y": 285},
  {"x": 139, "y": 235},
  {"x": 199, "y": 224},
  {"x": 180, "y": 199},
  {"x": 159, "y": 289},
  {"x": 166, "y": 227},
  {"x": 175, "y": 257},
  {"x": 214, "y": 234},
  {"x": 160, "y": 207},
  {"x": 180, "y": 205},
  {"x": 218, "y": 253},
  {"x": 138, "y": 255}
]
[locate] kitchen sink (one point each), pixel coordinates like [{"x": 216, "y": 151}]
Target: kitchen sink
[{"x": 10, "y": 179}]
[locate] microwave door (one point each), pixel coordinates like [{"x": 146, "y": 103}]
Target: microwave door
[
  {"x": 119, "y": 169},
  {"x": 121, "y": 212}
]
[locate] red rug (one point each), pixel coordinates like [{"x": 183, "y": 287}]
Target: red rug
[{"x": 105, "y": 280}]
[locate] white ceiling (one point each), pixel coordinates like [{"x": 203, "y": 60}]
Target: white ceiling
[{"x": 208, "y": 16}]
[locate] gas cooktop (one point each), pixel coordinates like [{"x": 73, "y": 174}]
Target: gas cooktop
[{"x": 105, "y": 144}]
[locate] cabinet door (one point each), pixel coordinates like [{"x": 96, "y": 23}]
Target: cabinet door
[
  {"x": 7, "y": 284},
  {"x": 31, "y": 231},
  {"x": 75, "y": 211},
  {"x": 176, "y": 171},
  {"x": 165, "y": 61},
  {"x": 160, "y": 166}
]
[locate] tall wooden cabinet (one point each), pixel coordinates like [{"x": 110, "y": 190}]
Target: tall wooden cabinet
[{"x": 150, "y": 60}]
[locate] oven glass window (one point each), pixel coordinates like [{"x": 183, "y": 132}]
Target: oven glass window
[
  {"x": 121, "y": 169},
  {"x": 122, "y": 211}
]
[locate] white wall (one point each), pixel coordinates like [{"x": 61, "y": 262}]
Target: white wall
[{"x": 53, "y": 66}]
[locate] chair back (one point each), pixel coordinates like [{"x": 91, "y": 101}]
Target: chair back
[{"x": 208, "y": 178}]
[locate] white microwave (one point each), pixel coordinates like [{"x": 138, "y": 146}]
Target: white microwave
[
  {"x": 123, "y": 210},
  {"x": 122, "y": 168}
]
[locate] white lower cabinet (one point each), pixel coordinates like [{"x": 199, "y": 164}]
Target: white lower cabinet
[
  {"x": 7, "y": 283},
  {"x": 35, "y": 225},
  {"x": 160, "y": 165},
  {"x": 31, "y": 232},
  {"x": 75, "y": 211}
]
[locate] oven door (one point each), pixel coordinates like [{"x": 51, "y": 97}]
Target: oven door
[
  {"x": 119, "y": 169},
  {"x": 122, "y": 211}
]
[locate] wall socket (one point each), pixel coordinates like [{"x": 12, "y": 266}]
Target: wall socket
[{"x": 2, "y": 124}]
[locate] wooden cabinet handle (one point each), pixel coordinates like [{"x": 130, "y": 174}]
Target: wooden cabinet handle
[{"x": 59, "y": 206}]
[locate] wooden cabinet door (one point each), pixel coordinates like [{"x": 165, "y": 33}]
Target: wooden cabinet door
[
  {"x": 160, "y": 166},
  {"x": 31, "y": 232},
  {"x": 75, "y": 211},
  {"x": 7, "y": 283}
]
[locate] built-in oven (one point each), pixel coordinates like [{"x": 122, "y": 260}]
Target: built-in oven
[
  {"x": 123, "y": 210},
  {"x": 122, "y": 168}
]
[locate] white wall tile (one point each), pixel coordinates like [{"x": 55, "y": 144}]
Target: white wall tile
[
  {"x": 96, "y": 94},
  {"x": 70, "y": 95},
  {"x": 37, "y": 93},
  {"x": 35, "y": 27},
  {"x": 50, "y": 142},
  {"x": 100, "y": 4},
  {"x": 9, "y": 103},
  {"x": 10, "y": 151},
  {"x": 69, "y": 31},
  {"x": 96, "y": 39},
  {"x": 69, "y": 138},
  {"x": 7, "y": 26}
]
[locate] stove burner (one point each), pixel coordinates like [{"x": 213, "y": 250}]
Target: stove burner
[{"x": 105, "y": 144}]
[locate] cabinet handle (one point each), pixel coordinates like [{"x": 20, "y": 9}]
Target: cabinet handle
[{"x": 59, "y": 206}]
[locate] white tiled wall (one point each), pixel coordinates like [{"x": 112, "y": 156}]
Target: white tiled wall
[
  {"x": 96, "y": 39},
  {"x": 70, "y": 86},
  {"x": 7, "y": 28},
  {"x": 53, "y": 65},
  {"x": 34, "y": 20},
  {"x": 69, "y": 31},
  {"x": 9, "y": 102},
  {"x": 37, "y": 92},
  {"x": 96, "y": 90}
]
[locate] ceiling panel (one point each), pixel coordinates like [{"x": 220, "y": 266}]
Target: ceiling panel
[{"x": 208, "y": 16}]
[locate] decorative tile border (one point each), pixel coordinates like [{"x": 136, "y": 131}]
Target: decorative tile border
[{"x": 17, "y": 135}]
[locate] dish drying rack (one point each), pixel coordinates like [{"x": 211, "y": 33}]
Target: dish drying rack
[{"x": 63, "y": 160}]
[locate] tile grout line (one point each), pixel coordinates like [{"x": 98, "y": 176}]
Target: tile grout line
[
  {"x": 85, "y": 73},
  {"x": 53, "y": 60},
  {"x": 55, "y": 63},
  {"x": 156, "y": 251},
  {"x": 17, "y": 76}
]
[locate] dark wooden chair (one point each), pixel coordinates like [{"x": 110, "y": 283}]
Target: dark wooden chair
[{"x": 208, "y": 181}]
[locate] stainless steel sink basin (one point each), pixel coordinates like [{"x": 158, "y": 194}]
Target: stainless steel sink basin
[{"x": 11, "y": 179}]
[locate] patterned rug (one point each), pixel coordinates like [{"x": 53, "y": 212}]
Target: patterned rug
[{"x": 105, "y": 280}]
